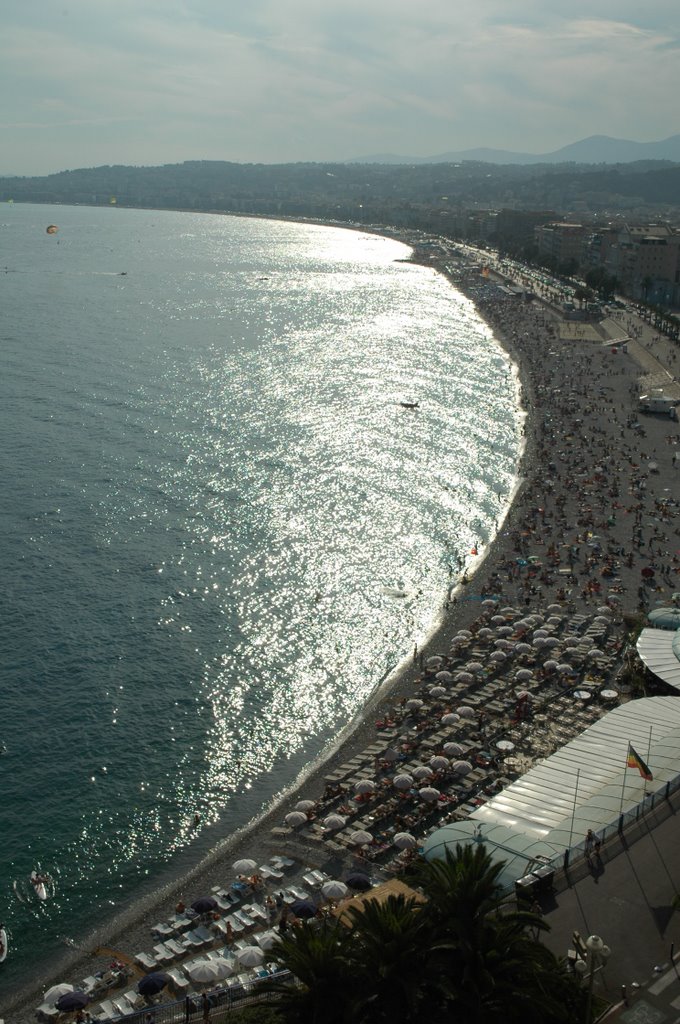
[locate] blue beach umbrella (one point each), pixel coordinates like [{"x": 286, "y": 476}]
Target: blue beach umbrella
[
  {"x": 75, "y": 1000},
  {"x": 303, "y": 908},
  {"x": 152, "y": 984},
  {"x": 359, "y": 881},
  {"x": 204, "y": 905}
]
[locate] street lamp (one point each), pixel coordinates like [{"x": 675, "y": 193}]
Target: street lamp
[{"x": 596, "y": 956}]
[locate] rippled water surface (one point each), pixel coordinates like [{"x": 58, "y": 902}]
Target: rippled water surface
[{"x": 212, "y": 506}]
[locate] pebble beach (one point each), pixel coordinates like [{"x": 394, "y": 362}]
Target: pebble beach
[{"x": 596, "y": 505}]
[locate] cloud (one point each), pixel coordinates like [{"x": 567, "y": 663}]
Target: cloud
[{"x": 281, "y": 80}]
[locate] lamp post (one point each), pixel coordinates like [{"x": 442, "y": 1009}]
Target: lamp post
[{"x": 597, "y": 954}]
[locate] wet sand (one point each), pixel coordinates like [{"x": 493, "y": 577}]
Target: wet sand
[{"x": 579, "y": 398}]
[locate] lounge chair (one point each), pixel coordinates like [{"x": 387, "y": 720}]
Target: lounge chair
[
  {"x": 146, "y": 961},
  {"x": 176, "y": 947},
  {"x": 180, "y": 982},
  {"x": 163, "y": 930},
  {"x": 163, "y": 954},
  {"x": 268, "y": 872},
  {"x": 107, "y": 1010},
  {"x": 47, "y": 1011}
]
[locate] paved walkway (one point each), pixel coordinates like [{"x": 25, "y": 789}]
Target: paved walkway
[{"x": 627, "y": 900}]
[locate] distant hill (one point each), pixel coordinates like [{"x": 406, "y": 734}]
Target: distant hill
[{"x": 596, "y": 149}]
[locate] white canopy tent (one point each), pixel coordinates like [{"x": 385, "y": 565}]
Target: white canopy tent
[
  {"x": 584, "y": 785},
  {"x": 659, "y": 649}
]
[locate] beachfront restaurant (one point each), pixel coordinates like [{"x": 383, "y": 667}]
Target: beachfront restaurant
[
  {"x": 539, "y": 823},
  {"x": 659, "y": 647}
]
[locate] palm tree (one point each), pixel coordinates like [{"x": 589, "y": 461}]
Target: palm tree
[{"x": 318, "y": 957}]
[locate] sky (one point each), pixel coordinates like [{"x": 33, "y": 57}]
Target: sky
[{"x": 147, "y": 82}]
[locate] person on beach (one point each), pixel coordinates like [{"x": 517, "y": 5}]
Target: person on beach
[{"x": 205, "y": 1005}]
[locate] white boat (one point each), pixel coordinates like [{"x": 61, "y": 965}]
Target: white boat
[
  {"x": 38, "y": 883},
  {"x": 3, "y": 943}
]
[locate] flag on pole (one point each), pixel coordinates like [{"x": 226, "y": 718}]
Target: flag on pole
[{"x": 635, "y": 761}]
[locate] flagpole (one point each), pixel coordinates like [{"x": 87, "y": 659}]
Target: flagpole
[
  {"x": 623, "y": 787},
  {"x": 649, "y": 750},
  {"x": 573, "y": 813}
]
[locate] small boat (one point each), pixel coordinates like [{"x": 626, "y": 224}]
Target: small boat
[
  {"x": 3, "y": 943},
  {"x": 38, "y": 883},
  {"x": 409, "y": 405}
]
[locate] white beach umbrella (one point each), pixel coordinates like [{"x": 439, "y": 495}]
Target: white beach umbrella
[
  {"x": 402, "y": 781},
  {"x": 365, "y": 786},
  {"x": 550, "y": 664},
  {"x": 523, "y": 648},
  {"x": 405, "y": 841},
  {"x": 603, "y": 620},
  {"x": 204, "y": 972},
  {"x": 551, "y": 642},
  {"x": 465, "y": 677},
  {"x": 485, "y": 633},
  {"x": 565, "y": 669},
  {"x": 538, "y": 642},
  {"x": 429, "y": 794},
  {"x": 523, "y": 675},
  {"x": 450, "y": 718},
  {"x": 604, "y": 610},
  {"x": 266, "y": 940},
  {"x": 465, "y": 712},
  {"x": 444, "y": 676},
  {"x": 462, "y": 767},
  {"x": 244, "y": 867},
  {"x": 554, "y": 608},
  {"x": 225, "y": 968},
  {"x": 502, "y": 644},
  {"x": 595, "y": 652},
  {"x": 421, "y": 771},
  {"x": 498, "y": 656},
  {"x": 334, "y": 890},
  {"x": 361, "y": 838},
  {"x": 414, "y": 704},
  {"x": 554, "y": 620},
  {"x": 475, "y": 666},
  {"x": 434, "y": 662},
  {"x": 509, "y": 611},
  {"x": 453, "y": 749},
  {"x": 505, "y": 631},
  {"x": 305, "y": 805},
  {"x": 437, "y": 691},
  {"x": 498, "y": 620},
  {"x": 540, "y": 634},
  {"x": 56, "y": 992},
  {"x": 439, "y": 763},
  {"x": 250, "y": 956},
  {"x": 489, "y": 602},
  {"x": 334, "y": 822},
  {"x": 295, "y": 818},
  {"x": 570, "y": 652},
  {"x": 466, "y": 633}
]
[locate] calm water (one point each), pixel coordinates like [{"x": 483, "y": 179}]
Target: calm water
[{"x": 210, "y": 501}]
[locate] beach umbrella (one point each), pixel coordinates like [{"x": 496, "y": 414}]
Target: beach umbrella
[
  {"x": 523, "y": 648},
  {"x": 602, "y": 620},
  {"x": 56, "y": 992},
  {"x": 357, "y": 880},
  {"x": 334, "y": 890},
  {"x": 364, "y": 786},
  {"x": 550, "y": 642},
  {"x": 488, "y": 602},
  {"x": 450, "y": 718},
  {"x": 152, "y": 984},
  {"x": 75, "y": 1000},
  {"x": 508, "y": 611},
  {"x": 498, "y": 656},
  {"x": 421, "y": 771},
  {"x": 475, "y": 666},
  {"x": 554, "y": 620},
  {"x": 414, "y": 704},
  {"x": 465, "y": 633},
  {"x": 439, "y": 763},
  {"x": 565, "y": 669},
  {"x": 595, "y": 652},
  {"x": 464, "y": 677},
  {"x": 361, "y": 838},
  {"x": 405, "y": 841},
  {"x": 402, "y": 781},
  {"x": 334, "y": 821},
  {"x": 550, "y": 664},
  {"x": 244, "y": 867},
  {"x": 304, "y": 909},
  {"x": 524, "y": 675},
  {"x": 538, "y": 642},
  {"x": 434, "y": 662},
  {"x": 502, "y": 644},
  {"x": 498, "y": 620},
  {"x": 204, "y": 972},
  {"x": 295, "y": 818},
  {"x": 444, "y": 676},
  {"x": 250, "y": 956},
  {"x": 485, "y": 633},
  {"x": 266, "y": 940},
  {"x": 429, "y": 794},
  {"x": 462, "y": 767},
  {"x": 453, "y": 749},
  {"x": 465, "y": 712},
  {"x": 554, "y": 608},
  {"x": 438, "y": 691},
  {"x": 570, "y": 641},
  {"x": 604, "y": 610},
  {"x": 570, "y": 652},
  {"x": 225, "y": 968},
  {"x": 305, "y": 805},
  {"x": 204, "y": 905},
  {"x": 505, "y": 631},
  {"x": 540, "y": 634},
  {"x": 523, "y": 695}
]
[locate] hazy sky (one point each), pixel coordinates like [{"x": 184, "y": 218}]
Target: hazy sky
[{"x": 89, "y": 82}]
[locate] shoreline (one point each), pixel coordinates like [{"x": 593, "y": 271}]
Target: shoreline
[
  {"x": 214, "y": 867},
  {"x": 130, "y": 927}
]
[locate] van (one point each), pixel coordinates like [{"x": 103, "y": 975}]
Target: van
[{"x": 659, "y": 404}]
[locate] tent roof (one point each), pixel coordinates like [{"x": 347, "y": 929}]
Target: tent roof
[
  {"x": 379, "y": 893},
  {"x": 583, "y": 785},
  {"x": 660, "y": 651}
]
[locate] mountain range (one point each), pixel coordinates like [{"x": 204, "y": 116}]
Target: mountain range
[{"x": 596, "y": 149}]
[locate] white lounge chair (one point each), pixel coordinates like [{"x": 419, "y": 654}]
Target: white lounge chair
[
  {"x": 163, "y": 954},
  {"x": 146, "y": 961},
  {"x": 179, "y": 980},
  {"x": 176, "y": 947},
  {"x": 107, "y": 1010},
  {"x": 269, "y": 873}
]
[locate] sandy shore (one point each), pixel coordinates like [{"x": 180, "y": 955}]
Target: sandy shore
[{"x": 580, "y": 399}]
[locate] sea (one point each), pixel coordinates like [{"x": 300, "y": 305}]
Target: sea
[{"x": 221, "y": 530}]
